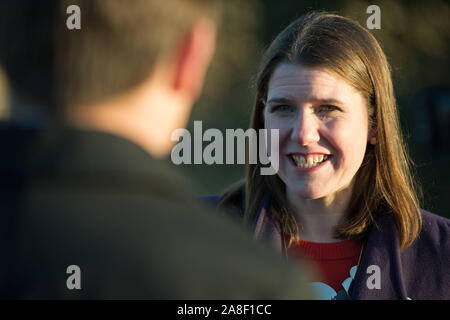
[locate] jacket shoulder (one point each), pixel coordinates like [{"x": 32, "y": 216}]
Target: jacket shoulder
[
  {"x": 426, "y": 267},
  {"x": 435, "y": 227},
  {"x": 231, "y": 201},
  {"x": 210, "y": 199}
]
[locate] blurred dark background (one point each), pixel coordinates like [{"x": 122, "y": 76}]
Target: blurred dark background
[{"x": 415, "y": 37}]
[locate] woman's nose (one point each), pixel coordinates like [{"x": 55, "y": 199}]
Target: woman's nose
[{"x": 305, "y": 130}]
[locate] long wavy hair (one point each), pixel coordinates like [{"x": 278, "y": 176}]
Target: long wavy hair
[{"x": 384, "y": 182}]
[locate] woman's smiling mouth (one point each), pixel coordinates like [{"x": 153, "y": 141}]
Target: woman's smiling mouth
[{"x": 308, "y": 162}]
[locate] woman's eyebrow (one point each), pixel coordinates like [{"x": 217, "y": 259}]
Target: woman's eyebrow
[
  {"x": 280, "y": 100},
  {"x": 326, "y": 101},
  {"x": 288, "y": 100}
]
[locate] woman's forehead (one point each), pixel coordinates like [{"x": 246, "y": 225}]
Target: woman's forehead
[{"x": 299, "y": 83}]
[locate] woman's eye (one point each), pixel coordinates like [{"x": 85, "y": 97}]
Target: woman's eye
[
  {"x": 328, "y": 108},
  {"x": 282, "y": 108}
]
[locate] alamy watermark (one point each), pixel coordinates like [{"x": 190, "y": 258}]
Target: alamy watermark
[
  {"x": 74, "y": 20},
  {"x": 374, "y": 20},
  {"x": 374, "y": 280},
  {"x": 74, "y": 280},
  {"x": 213, "y": 153}
]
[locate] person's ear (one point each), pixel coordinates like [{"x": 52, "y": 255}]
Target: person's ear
[{"x": 193, "y": 57}]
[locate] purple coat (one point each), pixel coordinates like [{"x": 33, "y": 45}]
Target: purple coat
[{"x": 421, "y": 271}]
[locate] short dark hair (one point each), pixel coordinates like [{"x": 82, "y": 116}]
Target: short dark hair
[{"x": 115, "y": 50}]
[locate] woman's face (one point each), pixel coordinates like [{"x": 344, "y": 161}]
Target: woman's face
[{"x": 323, "y": 127}]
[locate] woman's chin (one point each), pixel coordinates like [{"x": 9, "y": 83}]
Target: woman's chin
[{"x": 307, "y": 193}]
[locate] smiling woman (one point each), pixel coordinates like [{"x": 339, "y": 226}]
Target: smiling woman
[
  {"x": 322, "y": 144},
  {"x": 344, "y": 196}
]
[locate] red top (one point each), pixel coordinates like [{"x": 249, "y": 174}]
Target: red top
[{"x": 333, "y": 260}]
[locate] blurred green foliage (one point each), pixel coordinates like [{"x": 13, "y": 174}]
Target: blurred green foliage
[{"x": 414, "y": 35}]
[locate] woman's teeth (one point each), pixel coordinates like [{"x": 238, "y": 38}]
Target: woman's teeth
[{"x": 310, "y": 161}]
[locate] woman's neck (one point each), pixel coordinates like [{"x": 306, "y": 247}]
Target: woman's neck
[{"x": 317, "y": 217}]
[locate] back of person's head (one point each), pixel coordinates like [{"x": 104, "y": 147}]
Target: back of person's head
[{"x": 115, "y": 49}]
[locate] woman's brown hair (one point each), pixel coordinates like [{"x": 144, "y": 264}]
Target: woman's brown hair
[{"x": 384, "y": 181}]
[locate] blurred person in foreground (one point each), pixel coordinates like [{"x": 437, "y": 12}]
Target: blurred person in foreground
[
  {"x": 81, "y": 186},
  {"x": 344, "y": 197}
]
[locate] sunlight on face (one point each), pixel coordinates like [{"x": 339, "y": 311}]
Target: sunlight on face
[{"x": 323, "y": 125}]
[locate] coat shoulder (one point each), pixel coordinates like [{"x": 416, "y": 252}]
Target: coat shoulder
[
  {"x": 425, "y": 263},
  {"x": 231, "y": 201},
  {"x": 435, "y": 227}
]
